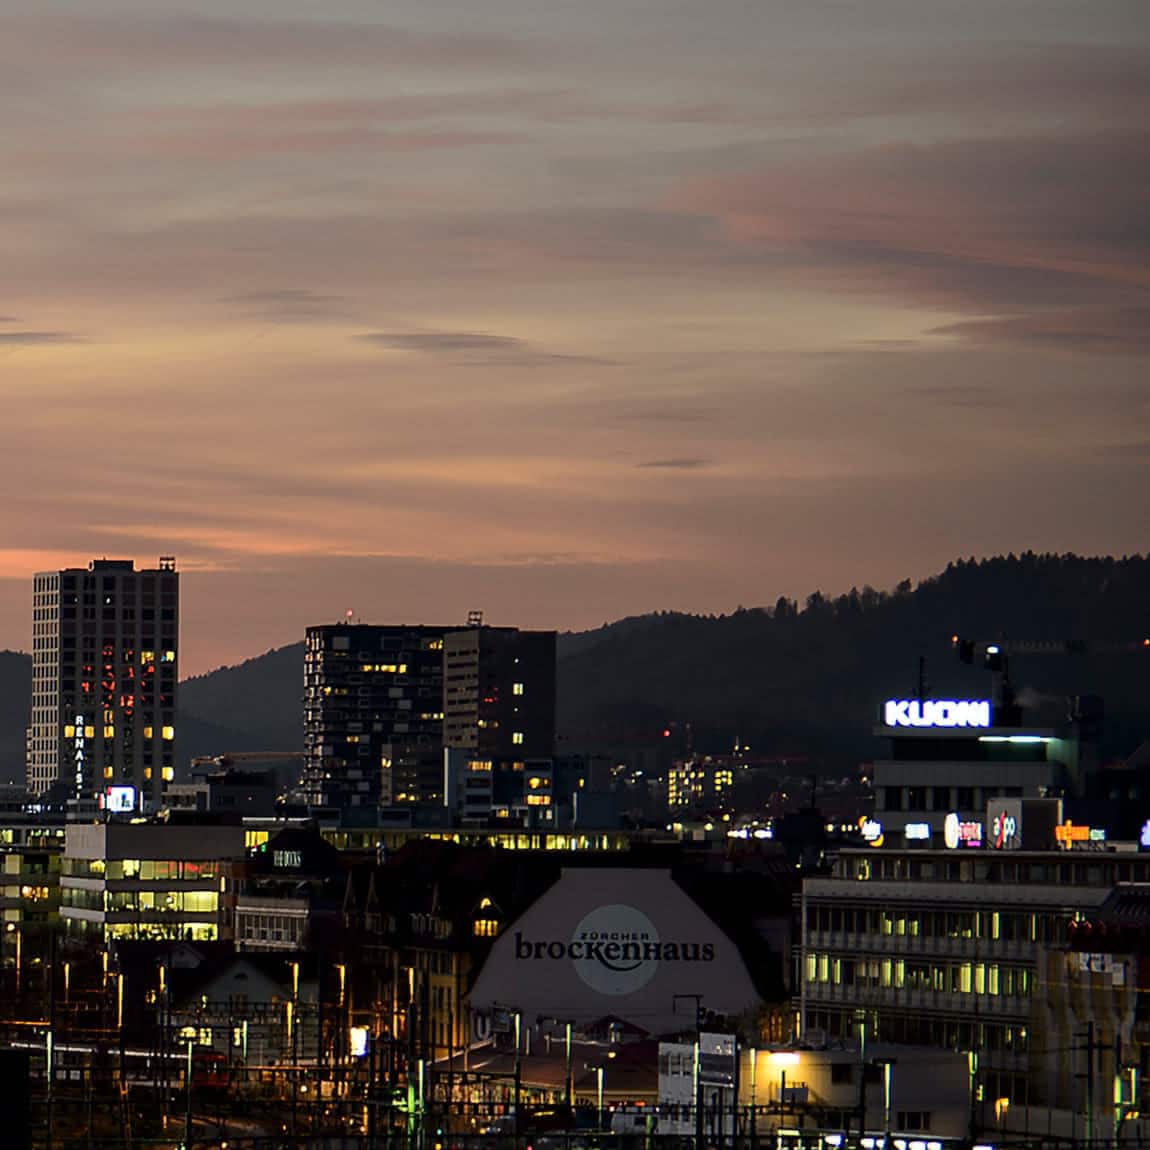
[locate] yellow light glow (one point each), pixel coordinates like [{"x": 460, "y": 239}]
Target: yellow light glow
[{"x": 782, "y": 1058}]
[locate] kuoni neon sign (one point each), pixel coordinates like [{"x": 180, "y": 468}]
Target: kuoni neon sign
[{"x": 937, "y": 712}]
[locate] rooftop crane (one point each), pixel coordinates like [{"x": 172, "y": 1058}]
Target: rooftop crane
[{"x": 996, "y": 659}]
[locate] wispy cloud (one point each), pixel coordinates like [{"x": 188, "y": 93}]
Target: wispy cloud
[
  {"x": 683, "y": 463},
  {"x": 476, "y": 348},
  {"x": 435, "y": 342},
  {"x": 1124, "y": 331},
  {"x": 290, "y": 305},
  {"x": 37, "y": 338},
  {"x": 1041, "y": 238},
  {"x": 165, "y": 42}
]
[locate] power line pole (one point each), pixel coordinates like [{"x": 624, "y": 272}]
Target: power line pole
[{"x": 698, "y": 1001}]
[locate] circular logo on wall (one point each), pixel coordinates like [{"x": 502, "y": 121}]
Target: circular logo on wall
[
  {"x": 950, "y": 831},
  {"x": 615, "y": 949}
]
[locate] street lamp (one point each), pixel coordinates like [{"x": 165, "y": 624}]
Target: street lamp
[
  {"x": 754, "y": 1082},
  {"x": 188, "y": 1097},
  {"x": 599, "y": 1068},
  {"x": 567, "y": 1025}
]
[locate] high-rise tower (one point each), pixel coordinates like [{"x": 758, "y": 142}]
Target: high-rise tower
[
  {"x": 373, "y": 715},
  {"x": 499, "y": 692},
  {"x": 105, "y": 645}
]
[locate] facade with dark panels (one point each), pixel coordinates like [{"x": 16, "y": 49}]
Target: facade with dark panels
[
  {"x": 373, "y": 715},
  {"x": 499, "y": 692},
  {"x": 105, "y": 665}
]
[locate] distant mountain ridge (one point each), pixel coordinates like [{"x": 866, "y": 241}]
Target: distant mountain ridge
[{"x": 791, "y": 678}]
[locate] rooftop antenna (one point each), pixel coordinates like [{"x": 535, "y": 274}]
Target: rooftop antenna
[
  {"x": 475, "y": 618},
  {"x": 347, "y": 615}
]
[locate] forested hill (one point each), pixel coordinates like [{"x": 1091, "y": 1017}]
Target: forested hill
[
  {"x": 808, "y": 677},
  {"x": 791, "y": 678}
]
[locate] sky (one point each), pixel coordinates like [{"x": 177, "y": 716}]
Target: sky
[{"x": 565, "y": 311}]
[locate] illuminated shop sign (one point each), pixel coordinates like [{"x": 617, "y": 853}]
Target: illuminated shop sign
[
  {"x": 1144, "y": 841},
  {"x": 1004, "y": 820},
  {"x": 871, "y": 831},
  {"x": 1070, "y": 835},
  {"x": 1003, "y": 830},
  {"x": 937, "y": 713},
  {"x": 957, "y": 833},
  {"x": 288, "y": 860},
  {"x": 119, "y": 800},
  {"x": 916, "y": 832}
]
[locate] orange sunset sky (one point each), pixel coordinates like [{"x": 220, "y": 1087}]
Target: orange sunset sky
[{"x": 566, "y": 310}]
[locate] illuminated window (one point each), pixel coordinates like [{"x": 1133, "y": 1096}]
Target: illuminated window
[
  {"x": 169, "y": 774},
  {"x": 109, "y": 731},
  {"x": 107, "y": 772},
  {"x": 486, "y": 927},
  {"x": 169, "y": 733},
  {"x": 517, "y": 689},
  {"x": 147, "y": 773},
  {"x": 517, "y": 737},
  {"x": 168, "y": 657},
  {"x": 147, "y": 732},
  {"x": 147, "y": 656}
]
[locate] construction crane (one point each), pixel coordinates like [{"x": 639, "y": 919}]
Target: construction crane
[
  {"x": 233, "y": 758},
  {"x": 997, "y": 651},
  {"x": 996, "y": 654}
]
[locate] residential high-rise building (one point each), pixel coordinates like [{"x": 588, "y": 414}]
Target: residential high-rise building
[
  {"x": 373, "y": 715},
  {"x": 105, "y": 665},
  {"x": 499, "y": 692}
]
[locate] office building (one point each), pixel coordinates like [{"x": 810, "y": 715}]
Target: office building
[
  {"x": 956, "y": 756},
  {"x": 499, "y": 692},
  {"x": 373, "y": 715},
  {"x": 105, "y": 666},
  {"x": 478, "y": 791},
  {"x": 381, "y": 702},
  {"x": 701, "y": 783},
  {"x": 150, "y": 881}
]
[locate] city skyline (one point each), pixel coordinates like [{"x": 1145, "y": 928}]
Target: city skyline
[{"x": 566, "y": 315}]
